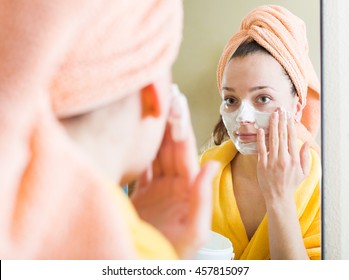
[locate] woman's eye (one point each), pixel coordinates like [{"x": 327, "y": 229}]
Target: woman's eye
[
  {"x": 263, "y": 99},
  {"x": 230, "y": 101}
]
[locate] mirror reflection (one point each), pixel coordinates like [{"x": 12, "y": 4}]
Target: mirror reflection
[{"x": 251, "y": 75}]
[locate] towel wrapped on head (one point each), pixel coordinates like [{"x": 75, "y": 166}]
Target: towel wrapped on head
[
  {"x": 120, "y": 52},
  {"x": 284, "y": 35}
]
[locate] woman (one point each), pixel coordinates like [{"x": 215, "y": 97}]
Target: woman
[
  {"x": 85, "y": 101},
  {"x": 267, "y": 194}
]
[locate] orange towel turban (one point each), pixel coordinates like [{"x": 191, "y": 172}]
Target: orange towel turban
[
  {"x": 61, "y": 58},
  {"x": 284, "y": 35},
  {"x": 104, "y": 64}
]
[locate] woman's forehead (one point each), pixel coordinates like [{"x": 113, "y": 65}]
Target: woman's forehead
[{"x": 254, "y": 70}]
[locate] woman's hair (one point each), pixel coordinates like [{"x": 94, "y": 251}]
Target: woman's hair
[{"x": 220, "y": 133}]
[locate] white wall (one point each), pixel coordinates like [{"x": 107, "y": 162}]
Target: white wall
[{"x": 336, "y": 129}]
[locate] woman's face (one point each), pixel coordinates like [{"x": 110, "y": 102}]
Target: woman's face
[{"x": 253, "y": 87}]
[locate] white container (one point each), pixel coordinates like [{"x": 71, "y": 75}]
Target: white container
[{"x": 218, "y": 247}]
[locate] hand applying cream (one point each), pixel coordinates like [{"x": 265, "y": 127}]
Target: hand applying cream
[{"x": 179, "y": 115}]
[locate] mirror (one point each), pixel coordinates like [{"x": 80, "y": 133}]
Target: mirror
[{"x": 208, "y": 25}]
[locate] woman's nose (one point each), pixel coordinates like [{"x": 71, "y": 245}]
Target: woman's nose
[
  {"x": 245, "y": 115},
  {"x": 246, "y": 122}
]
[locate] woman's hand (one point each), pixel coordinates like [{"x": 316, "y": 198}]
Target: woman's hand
[
  {"x": 279, "y": 173},
  {"x": 175, "y": 195},
  {"x": 284, "y": 167}
]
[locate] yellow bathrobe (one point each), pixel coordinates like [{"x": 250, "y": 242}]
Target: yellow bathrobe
[{"x": 227, "y": 221}]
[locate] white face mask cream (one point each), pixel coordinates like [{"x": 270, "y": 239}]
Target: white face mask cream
[{"x": 245, "y": 113}]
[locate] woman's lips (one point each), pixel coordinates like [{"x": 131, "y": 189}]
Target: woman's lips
[{"x": 248, "y": 137}]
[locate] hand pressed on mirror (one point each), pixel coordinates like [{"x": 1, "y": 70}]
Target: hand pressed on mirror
[{"x": 174, "y": 195}]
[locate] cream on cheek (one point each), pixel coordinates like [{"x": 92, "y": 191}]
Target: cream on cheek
[{"x": 246, "y": 113}]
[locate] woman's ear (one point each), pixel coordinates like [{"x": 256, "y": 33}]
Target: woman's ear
[
  {"x": 298, "y": 114},
  {"x": 150, "y": 102}
]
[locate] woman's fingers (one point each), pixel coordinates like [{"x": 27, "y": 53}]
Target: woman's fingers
[
  {"x": 282, "y": 136},
  {"x": 283, "y": 139},
  {"x": 274, "y": 136},
  {"x": 187, "y": 161},
  {"x": 167, "y": 154},
  {"x": 177, "y": 155},
  {"x": 284, "y": 167},
  {"x": 163, "y": 163},
  {"x": 262, "y": 149},
  {"x": 183, "y": 139},
  {"x": 292, "y": 139}
]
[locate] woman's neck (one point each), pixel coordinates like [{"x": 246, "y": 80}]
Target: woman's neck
[{"x": 245, "y": 166}]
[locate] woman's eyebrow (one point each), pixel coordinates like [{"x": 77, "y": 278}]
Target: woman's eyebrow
[
  {"x": 231, "y": 89},
  {"x": 260, "y": 87},
  {"x": 228, "y": 89}
]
